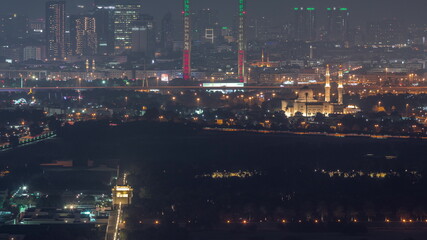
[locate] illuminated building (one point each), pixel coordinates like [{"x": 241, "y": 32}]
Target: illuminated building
[
  {"x": 122, "y": 195},
  {"x": 36, "y": 26},
  {"x": 126, "y": 12},
  {"x": 306, "y": 104},
  {"x": 241, "y": 42},
  {"x": 85, "y": 38},
  {"x": 55, "y": 29},
  {"x": 351, "y": 109},
  {"x": 186, "y": 52},
  {"x": 337, "y": 24},
  {"x": 265, "y": 62},
  {"x": 304, "y": 25},
  {"x": 32, "y": 53}
]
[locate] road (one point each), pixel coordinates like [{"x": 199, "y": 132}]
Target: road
[
  {"x": 114, "y": 222},
  {"x": 367, "y": 135},
  {"x": 358, "y": 88}
]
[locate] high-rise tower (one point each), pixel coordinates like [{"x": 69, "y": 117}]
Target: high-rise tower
[
  {"x": 143, "y": 36},
  {"x": 104, "y": 15},
  {"x": 338, "y": 28},
  {"x": 126, "y": 12},
  {"x": 304, "y": 25},
  {"x": 83, "y": 38},
  {"x": 206, "y": 20},
  {"x": 241, "y": 41},
  {"x": 186, "y": 53},
  {"x": 166, "y": 34},
  {"x": 55, "y": 29},
  {"x": 327, "y": 84},
  {"x": 340, "y": 86}
]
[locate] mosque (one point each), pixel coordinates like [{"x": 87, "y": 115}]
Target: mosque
[{"x": 307, "y": 105}]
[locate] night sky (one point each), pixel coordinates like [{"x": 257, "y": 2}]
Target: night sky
[{"x": 361, "y": 10}]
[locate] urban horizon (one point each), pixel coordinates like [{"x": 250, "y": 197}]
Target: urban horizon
[{"x": 201, "y": 120}]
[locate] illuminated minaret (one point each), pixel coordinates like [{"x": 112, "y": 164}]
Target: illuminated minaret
[
  {"x": 93, "y": 65},
  {"x": 262, "y": 57},
  {"x": 241, "y": 41},
  {"x": 340, "y": 86},
  {"x": 87, "y": 65},
  {"x": 186, "y": 55},
  {"x": 327, "y": 84}
]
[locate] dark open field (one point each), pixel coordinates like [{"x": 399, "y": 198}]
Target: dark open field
[{"x": 171, "y": 165}]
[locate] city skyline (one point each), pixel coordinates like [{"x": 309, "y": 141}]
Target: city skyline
[
  {"x": 226, "y": 119},
  {"x": 362, "y": 11}
]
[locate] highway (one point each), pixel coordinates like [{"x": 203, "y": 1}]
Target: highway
[{"x": 422, "y": 89}]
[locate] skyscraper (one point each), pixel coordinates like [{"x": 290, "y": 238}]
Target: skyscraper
[
  {"x": 143, "y": 35},
  {"x": 337, "y": 28},
  {"x": 104, "y": 15},
  {"x": 125, "y": 14},
  {"x": 13, "y": 26},
  {"x": 304, "y": 25},
  {"x": 55, "y": 29},
  {"x": 84, "y": 37},
  {"x": 387, "y": 31},
  {"x": 203, "y": 20},
  {"x": 166, "y": 34},
  {"x": 186, "y": 51},
  {"x": 241, "y": 42}
]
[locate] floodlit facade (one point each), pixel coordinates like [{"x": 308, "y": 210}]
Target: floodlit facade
[
  {"x": 306, "y": 104},
  {"x": 86, "y": 38},
  {"x": 122, "y": 195},
  {"x": 55, "y": 29},
  {"x": 125, "y": 14}
]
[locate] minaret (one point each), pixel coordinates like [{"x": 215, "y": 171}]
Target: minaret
[
  {"x": 87, "y": 65},
  {"x": 327, "y": 84},
  {"x": 340, "y": 86},
  {"x": 262, "y": 57}
]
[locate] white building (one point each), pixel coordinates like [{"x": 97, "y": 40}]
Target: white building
[{"x": 307, "y": 105}]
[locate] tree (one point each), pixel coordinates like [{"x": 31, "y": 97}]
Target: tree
[{"x": 319, "y": 117}]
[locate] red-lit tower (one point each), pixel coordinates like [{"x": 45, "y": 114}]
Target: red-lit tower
[
  {"x": 186, "y": 57},
  {"x": 242, "y": 41}
]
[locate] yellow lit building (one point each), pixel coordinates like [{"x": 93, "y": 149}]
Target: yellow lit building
[
  {"x": 122, "y": 195},
  {"x": 307, "y": 105}
]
